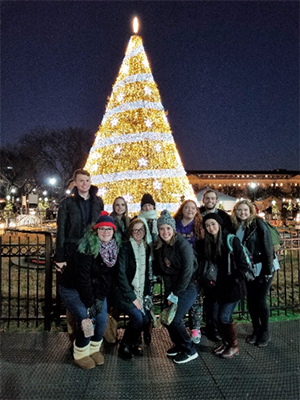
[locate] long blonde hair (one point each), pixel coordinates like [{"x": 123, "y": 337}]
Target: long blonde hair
[{"x": 235, "y": 221}]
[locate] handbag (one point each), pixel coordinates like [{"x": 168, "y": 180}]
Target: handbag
[
  {"x": 209, "y": 275},
  {"x": 167, "y": 315}
]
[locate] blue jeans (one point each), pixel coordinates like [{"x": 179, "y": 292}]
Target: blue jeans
[
  {"x": 224, "y": 311},
  {"x": 137, "y": 323},
  {"x": 73, "y": 303},
  {"x": 177, "y": 330}
]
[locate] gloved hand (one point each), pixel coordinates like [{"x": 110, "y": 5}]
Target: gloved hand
[{"x": 96, "y": 308}]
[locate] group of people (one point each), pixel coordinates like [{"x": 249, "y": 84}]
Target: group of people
[{"x": 108, "y": 264}]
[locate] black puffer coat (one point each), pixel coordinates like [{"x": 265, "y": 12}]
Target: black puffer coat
[
  {"x": 71, "y": 224},
  {"x": 258, "y": 240},
  {"x": 177, "y": 265},
  {"x": 92, "y": 278},
  {"x": 231, "y": 288}
]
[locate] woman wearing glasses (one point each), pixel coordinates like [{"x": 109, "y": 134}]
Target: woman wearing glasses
[
  {"x": 86, "y": 287},
  {"x": 134, "y": 286}
]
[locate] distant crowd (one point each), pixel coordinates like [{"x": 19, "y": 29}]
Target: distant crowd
[{"x": 108, "y": 264}]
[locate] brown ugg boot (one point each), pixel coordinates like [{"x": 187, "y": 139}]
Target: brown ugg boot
[
  {"x": 82, "y": 357},
  {"x": 110, "y": 333},
  {"x": 95, "y": 352},
  {"x": 230, "y": 335}
]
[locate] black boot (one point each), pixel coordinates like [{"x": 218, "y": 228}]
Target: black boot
[
  {"x": 148, "y": 333},
  {"x": 125, "y": 351}
]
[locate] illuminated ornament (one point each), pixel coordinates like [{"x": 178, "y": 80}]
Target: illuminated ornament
[
  {"x": 148, "y": 123},
  {"x": 102, "y": 192},
  {"x": 94, "y": 167},
  {"x": 118, "y": 150},
  {"x": 128, "y": 198},
  {"x": 114, "y": 121},
  {"x": 148, "y": 91},
  {"x": 135, "y": 25},
  {"x": 120, "y": 97},
  {"x": 157, "y": 185},
  {"x": 157, "y": 148},
  {"x": 143, "y": 162},
  {"x": 125, "y": 69},
  {"x": 145, "y": 63}
]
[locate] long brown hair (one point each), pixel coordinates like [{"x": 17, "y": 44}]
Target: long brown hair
[
  {"x": 212, "y": 247},
  {"x": 198, "y": 226},
  {"x": 235, "y": 221}
]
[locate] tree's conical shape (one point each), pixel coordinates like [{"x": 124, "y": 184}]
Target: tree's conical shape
[{"x": 134, "y": 151}]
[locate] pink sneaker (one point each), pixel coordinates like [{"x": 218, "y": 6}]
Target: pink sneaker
[{"x": 196, "y": 336}]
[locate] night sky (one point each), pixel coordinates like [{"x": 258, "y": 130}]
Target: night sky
[{"x": 227, "y": 72}]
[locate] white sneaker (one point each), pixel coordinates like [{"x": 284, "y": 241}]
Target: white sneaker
[{"x": 183, "y": 358}]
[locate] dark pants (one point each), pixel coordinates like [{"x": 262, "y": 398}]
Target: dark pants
[
  {"x": 177, "y": 330},
  {"x": 258, "y": 308},
  {"x": 137, "y": 323}
]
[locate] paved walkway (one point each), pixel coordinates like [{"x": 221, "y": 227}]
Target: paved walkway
[{"x": 39, "y": 366}]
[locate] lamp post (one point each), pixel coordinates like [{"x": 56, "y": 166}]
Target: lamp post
[
  {"x": 52, "y": 182},
  {"x": 253, "y": 187}
]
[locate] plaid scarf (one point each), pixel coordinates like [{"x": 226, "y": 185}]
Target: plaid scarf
[{"x": 109, "y": 252}]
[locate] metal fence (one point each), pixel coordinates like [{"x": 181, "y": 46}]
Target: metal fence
[{"x": 29, "y": 296}]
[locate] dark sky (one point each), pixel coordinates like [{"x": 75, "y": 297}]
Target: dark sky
[{"x": 227, "y": 72}]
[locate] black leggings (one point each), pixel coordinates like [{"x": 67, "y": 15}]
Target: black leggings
[{"x": 258, "y": 308}]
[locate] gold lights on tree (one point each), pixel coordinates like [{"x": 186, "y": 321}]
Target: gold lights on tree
[{"x": 134, "y": 151}]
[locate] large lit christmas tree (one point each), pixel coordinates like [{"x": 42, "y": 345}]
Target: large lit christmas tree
[{"x": 134, "y": 151}]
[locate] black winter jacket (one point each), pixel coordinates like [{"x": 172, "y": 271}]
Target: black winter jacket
[
  {"x": 231, "y": 288},
  {"x": 92, "y": 278},
  {"x": 71, "y": 224},
  {"x": 177, "y": 265},
  {"x": 126, "y": 268},
  {"x": 258, "y": 240}
]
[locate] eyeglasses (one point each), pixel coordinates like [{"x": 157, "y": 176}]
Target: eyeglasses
[
  {"x": 141, "y": 230},
  {"x": 105, "y": 229}
]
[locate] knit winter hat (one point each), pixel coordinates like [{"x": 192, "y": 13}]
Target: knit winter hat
[
  {"x": 147, "y": 199},
  {"x": 166, "y": 218},
  {"x": 105, "y": 220},
  {"x": 214, "y": 216}
]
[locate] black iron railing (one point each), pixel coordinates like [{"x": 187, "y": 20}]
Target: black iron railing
[{"x": 29, "y": 296}]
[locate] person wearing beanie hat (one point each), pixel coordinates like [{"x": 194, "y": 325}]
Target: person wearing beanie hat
[
  {"x": 92, "y": 269},
  {"x": 229, "y": 288},
  {"x": 105, "y": 220},
  {"x": 189, "y": 224},
  {"x": 148, "y": 215},
  {"x": 176, "y": 262},
  {"x": 214, "y": 216},
  {"x": 147, "y": 199}
]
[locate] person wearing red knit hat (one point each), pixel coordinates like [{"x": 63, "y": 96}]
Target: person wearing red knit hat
[{"x": 86, "y": 286}]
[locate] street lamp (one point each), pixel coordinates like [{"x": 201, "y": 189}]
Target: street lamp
[
  {"x": 52, "y": 182},
  {"x": 253, "y": 186}
]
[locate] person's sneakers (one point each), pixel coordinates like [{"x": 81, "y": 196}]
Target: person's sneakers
[
  {"x": 173, "y": 351},
  {"x": 183, "y": 358},
  {"x": 251, "y": 339},
  {"x": 263, "y": 339},
  {"x": 196, "y": 336}
]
